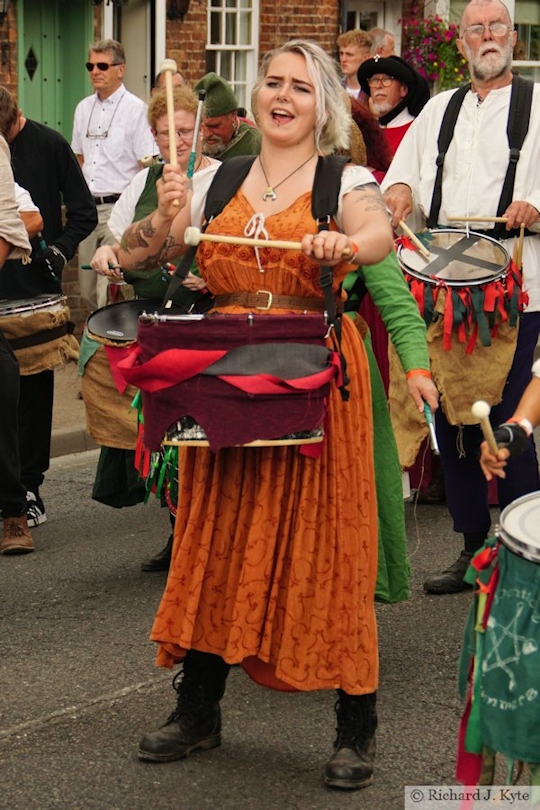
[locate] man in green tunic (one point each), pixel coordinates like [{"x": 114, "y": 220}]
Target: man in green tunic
[{"x": 225, "y": 135}]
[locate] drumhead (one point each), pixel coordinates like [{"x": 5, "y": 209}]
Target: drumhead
[
  {"x": 119, "y": 322},
  {"x": 519, "y": 527},
  {"x": 458, "y": 258},
  {"x": 27, "y": 305}
]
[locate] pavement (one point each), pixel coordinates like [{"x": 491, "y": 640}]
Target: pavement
[{"x": 69, "y": 433}]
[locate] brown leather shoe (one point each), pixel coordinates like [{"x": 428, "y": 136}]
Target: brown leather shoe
[{"x": 17, "y": 538}]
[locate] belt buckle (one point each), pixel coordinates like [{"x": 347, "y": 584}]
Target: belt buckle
[{"x": 270, "y": 299}]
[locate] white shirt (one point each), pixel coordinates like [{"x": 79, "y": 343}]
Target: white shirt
[
  {"x": 110, "y": 162},
  {"x": 23, "y": 200},
  {"x": 474, "y": 168},
  {"x": 123, "y": 210}
]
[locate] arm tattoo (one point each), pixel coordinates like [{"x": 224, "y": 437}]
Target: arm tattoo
[
  {"x": 136, "y": 236},
  {"x": 371, "y": 199}
]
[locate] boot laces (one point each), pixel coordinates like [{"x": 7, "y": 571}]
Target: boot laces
[
  {"x": 352, "y": 731},
  {"x": 191, "y": 698}
]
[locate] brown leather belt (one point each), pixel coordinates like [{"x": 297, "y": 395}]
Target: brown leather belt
[{"x": 264, "y": 299}]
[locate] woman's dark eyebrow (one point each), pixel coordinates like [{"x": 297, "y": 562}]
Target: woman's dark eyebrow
[{"x": 295, "y": 81}]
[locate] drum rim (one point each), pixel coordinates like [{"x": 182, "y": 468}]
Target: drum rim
[
  {"x": 128, "y": 304},
  {"x": 45, "y": 302},
  {"x": 435, "y": 282},
  {"x": 522, "y": 549}
]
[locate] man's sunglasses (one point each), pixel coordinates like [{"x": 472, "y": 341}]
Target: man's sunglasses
[{"x": 100, "y": 65}]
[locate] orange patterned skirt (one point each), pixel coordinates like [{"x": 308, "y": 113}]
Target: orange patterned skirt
[{"x": 275, "y": 554}]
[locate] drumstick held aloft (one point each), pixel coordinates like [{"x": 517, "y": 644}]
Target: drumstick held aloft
[
  {"x": 168, "y": 68},
  {"x": 481, "y": 411},
  {"x": 193, "y": 236}
]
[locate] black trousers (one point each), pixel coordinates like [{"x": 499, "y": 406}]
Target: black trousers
[
  {"x": 465, "y": 484},
  {"x": 35, "y": 427},
  {"x": 12, "y": 492}
]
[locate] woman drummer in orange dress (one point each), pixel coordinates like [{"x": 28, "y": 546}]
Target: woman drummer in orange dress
[{"x": 275, "y": 553}]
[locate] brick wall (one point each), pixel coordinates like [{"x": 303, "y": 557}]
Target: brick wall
[
  {"x": 307, "y": 20},
  {"x": 8, "y": 51},
  {"x": 186, "y": 40}
]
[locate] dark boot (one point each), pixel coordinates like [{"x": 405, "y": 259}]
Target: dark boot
[
  {"x": 351, "y": 765},
  {"x": 162, "y": 559},
  {"x": 451, "y": 579},
  {"x": 195, "y": 724}
]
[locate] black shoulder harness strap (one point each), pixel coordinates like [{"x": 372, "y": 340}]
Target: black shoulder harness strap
[
  {"x": 228, "y": 179},
  {"x": 517, "y": 128},
  {"x": 445, "y": 137},
  {"x": 326, "y": 186}
]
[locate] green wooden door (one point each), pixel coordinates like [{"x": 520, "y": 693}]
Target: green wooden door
[{"x": 52, "y": 49}]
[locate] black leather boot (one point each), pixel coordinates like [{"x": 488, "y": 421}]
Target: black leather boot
[
  {"x": 162, "y": 559},
  {"x": 195, "y": 724},
  {"x": 351, "y": 765},
  {"x": 451, "y": 579}
]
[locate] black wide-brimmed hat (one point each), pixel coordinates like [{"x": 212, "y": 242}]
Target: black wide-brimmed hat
[{"x": 399, "y": 69}]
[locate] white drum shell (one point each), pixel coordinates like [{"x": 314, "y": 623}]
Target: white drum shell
[{"x": 519, "y": 527}]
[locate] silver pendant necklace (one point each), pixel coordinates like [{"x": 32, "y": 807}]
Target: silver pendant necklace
[{"x": 270, "y": 193}]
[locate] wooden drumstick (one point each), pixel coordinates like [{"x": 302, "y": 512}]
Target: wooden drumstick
[
  {"x": 193, "y": 236},
  {"x": 198, "y": 120},
  {"x": 477, "y": 219},
  {"x": 168, "y": 68},
  {"x": 481, "y": 410},
  {"x": 519, "y": 251},
  {"x": 414, "y": 239}
]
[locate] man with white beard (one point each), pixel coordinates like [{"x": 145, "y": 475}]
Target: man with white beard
[
  {"x": 396, "y": 92},
  {"x": 473, "y": 177}
]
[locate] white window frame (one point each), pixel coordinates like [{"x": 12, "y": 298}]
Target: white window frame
[{"x": 242, "y": 86}]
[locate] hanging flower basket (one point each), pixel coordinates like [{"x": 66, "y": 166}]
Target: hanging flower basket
[{"x": 430, "y": 46}]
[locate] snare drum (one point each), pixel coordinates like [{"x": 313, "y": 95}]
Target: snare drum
[
  {"x": 469, "y": 294},
  {"x": 242, "y": 378},
  {"x": 187, "y": 433},
  {"x": 456, "y": 258},
  {"x": 519, "y": 527},
  {"x": 39, "y": 331},
  {"x": 506, "y": 621},
  {"x": 117, "y": 324},
  {"x": 109, "y": 331}
]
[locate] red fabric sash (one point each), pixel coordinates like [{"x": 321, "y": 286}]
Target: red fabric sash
[{"x": 174, "y": 365}]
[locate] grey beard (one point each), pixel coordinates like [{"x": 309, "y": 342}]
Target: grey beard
[
  {"x": 496, "y": 69},
  {"x": 214, "y": 149},
  {"x": 484, "y": 73},
  {"x": 382, "y": 108}
]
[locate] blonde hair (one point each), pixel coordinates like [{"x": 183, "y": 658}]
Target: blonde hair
[
  {"x": 332, "y": 117},
  {"x": 362, "y": 39},
  {"x": 183, "y": 97}
]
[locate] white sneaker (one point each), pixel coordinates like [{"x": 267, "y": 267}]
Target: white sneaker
[{"x": 35, "y": 511}]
